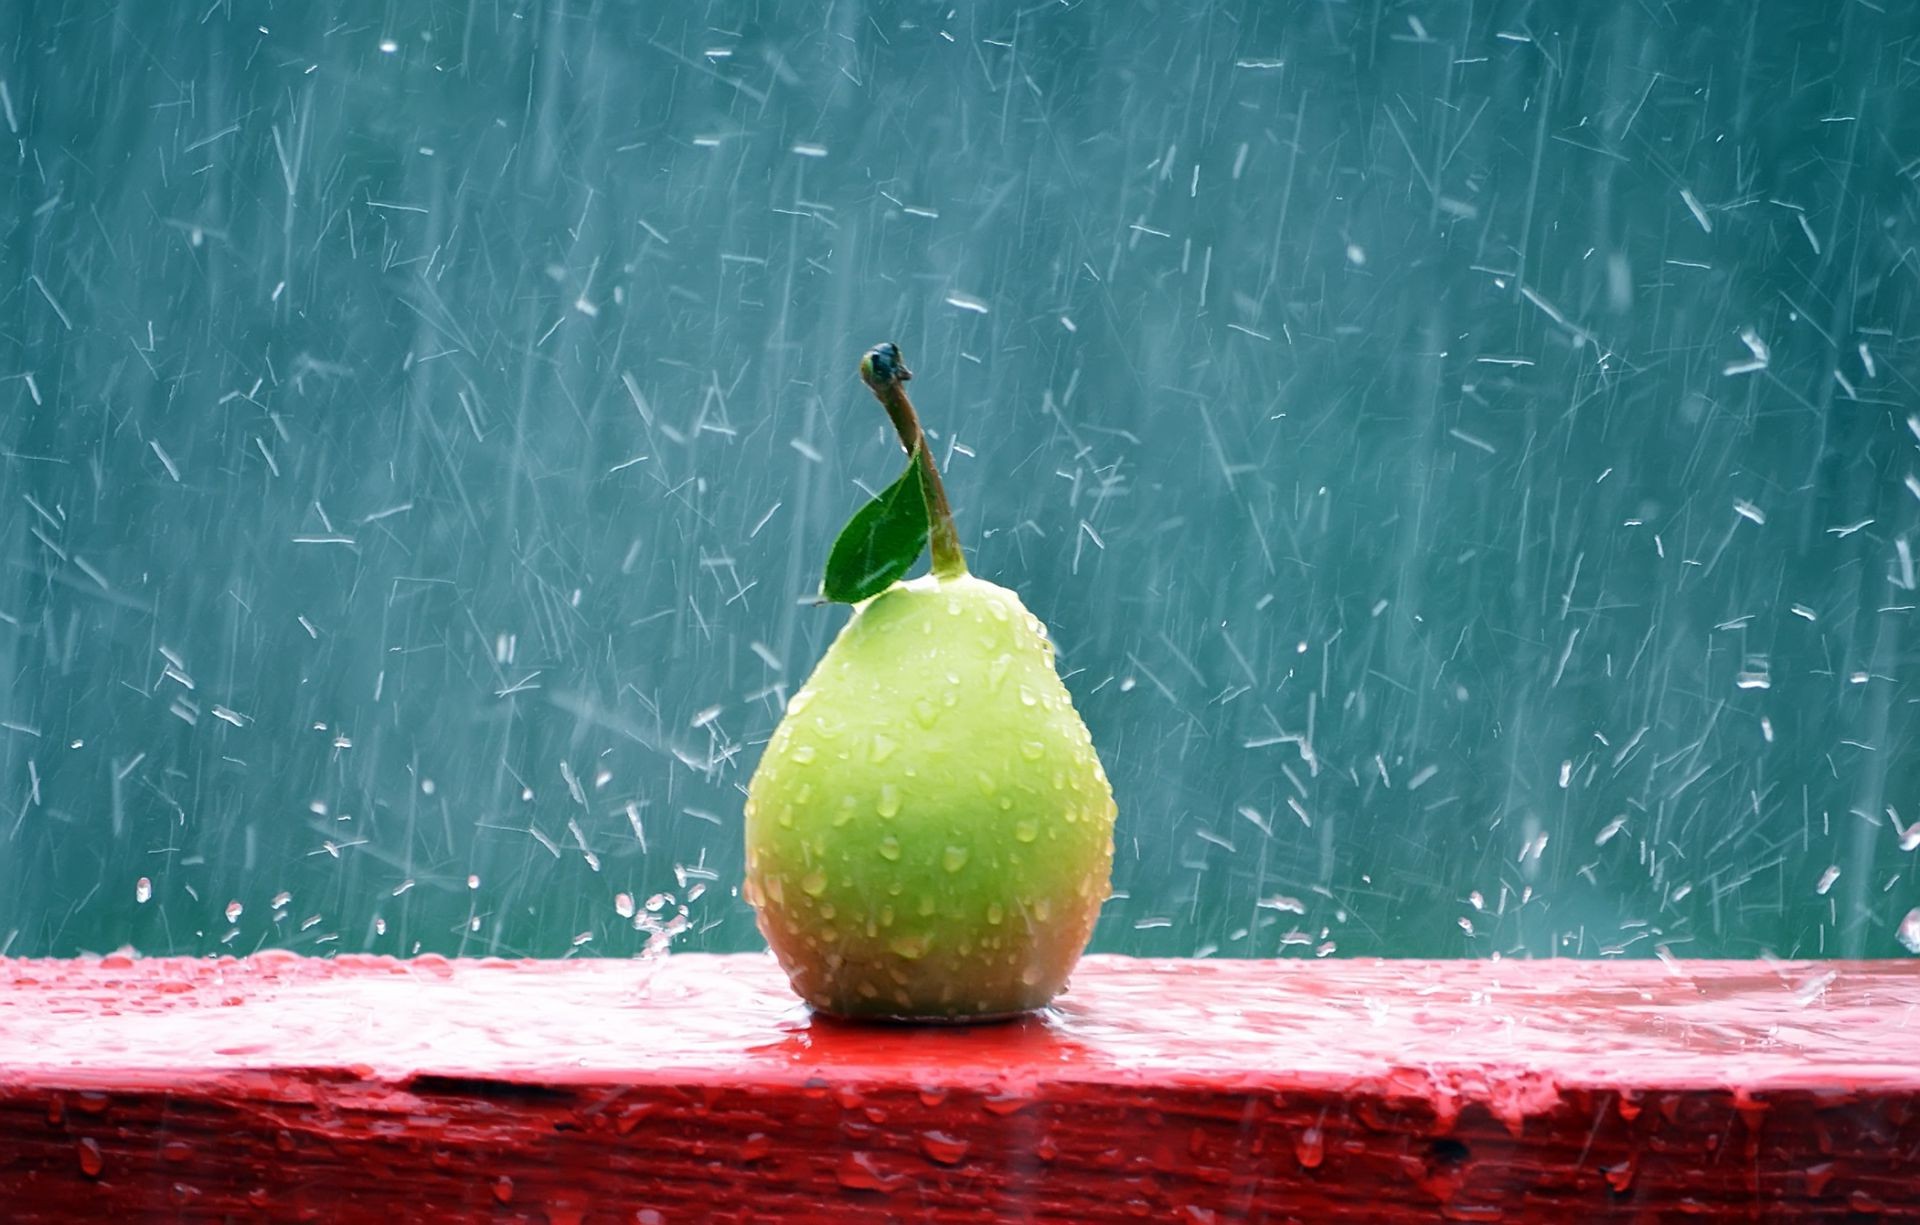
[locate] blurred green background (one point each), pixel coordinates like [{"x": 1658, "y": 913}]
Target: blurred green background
[{"x": 1465, "y": 455}]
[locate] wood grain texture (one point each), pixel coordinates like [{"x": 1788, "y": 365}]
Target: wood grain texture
[{"x": 693, "y": 1088}]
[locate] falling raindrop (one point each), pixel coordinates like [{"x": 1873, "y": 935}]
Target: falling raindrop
[{"x": 1909, "y": 931}]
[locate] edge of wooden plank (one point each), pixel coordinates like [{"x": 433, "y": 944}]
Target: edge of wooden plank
[{"x": 694, "y": 1087}]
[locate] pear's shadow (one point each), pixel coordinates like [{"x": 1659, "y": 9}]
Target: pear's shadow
[{"x": 1030, "y": 1043}]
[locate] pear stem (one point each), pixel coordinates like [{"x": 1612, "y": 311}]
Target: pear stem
[{"x": 884, "y": 372}]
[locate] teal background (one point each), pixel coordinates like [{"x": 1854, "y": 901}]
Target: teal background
[{"x": 424, "y": 423}]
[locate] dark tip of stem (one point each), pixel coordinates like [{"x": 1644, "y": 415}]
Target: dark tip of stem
[{"x": 883, "y": 364}]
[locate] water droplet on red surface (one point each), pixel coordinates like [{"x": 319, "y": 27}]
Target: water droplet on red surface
[
  {"x": 755, "y": 1146},
  {"x": 1310, "y": 1148},
  {"x": 859, "y": 1172},
  {"x": 91, "y": 1161},
  {"x": 503, "y": 1189},
  {"x": 1620, "y": 1177},
  {"x": 943, "y": 1148},
  {"x": 1819, "y": 1176}
]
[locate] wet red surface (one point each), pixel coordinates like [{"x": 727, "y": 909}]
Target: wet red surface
[{"x": 693, "y": 1088}]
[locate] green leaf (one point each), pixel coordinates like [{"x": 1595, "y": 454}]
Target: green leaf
[{"x": 881, "y": 542}]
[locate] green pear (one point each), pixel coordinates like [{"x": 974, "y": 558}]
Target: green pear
[{"x": 929, "y": 833}]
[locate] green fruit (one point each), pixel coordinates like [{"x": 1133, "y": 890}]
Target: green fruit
[{"x": 929, "y": 834}]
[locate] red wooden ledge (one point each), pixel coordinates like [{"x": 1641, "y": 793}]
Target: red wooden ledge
[{"x": 693, "y": 1088}]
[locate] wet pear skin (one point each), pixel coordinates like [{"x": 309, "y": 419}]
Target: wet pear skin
[{"x": 929, "y": 833}]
